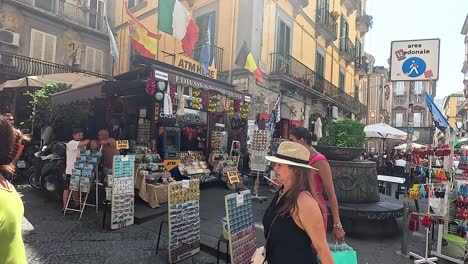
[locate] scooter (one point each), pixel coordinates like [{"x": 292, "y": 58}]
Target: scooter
[
  {"x": 24, "y": 164},
  {"x": 49, "y": 167}
]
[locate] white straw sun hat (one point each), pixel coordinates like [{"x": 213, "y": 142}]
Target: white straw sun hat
[{"x": 293, "y": 154}]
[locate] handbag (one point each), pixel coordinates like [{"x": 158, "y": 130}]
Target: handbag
[
  {"x": 259, "y": 257},
  {"x": 343, "y": 254}
]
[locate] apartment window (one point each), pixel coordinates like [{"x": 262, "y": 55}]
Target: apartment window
[
  {"x": 133, "y": 3},
  {"x": 418, "y": 87},
  {"x": 97, "y": 14},
  {"x": 320, "y": 64},
  {"x": 344, "y": 32},
  {"x": 342, "y": 80},
  {"x": 358, "y": 52},
  {"x": 283, "y": 37},
  {"x": 323, "y": 7},
  {"x": 399, "y": 120},
  {"x": 43, "y": 46},
  {"x": 417, "y": 119},
  {"x": 400, "y": 88},
  {"x": 356, "y": 92},
  {"x": 202, "y": 23},
  {"x": 94, "y": 60},
  {"x": 45, "y": 4}
]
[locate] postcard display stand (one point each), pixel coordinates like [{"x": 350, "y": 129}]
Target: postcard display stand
[
  {"x": 241, "y": 227},
  {"x": 260, "y": 146},
  {"x": 184, "y": 219},
  {"x": 123, "y": 195},
  {"x": 83, "y": 174}
]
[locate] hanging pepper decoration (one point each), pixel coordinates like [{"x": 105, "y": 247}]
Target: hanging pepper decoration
[
  {"x": 413, "y": 223},
  {"x": 231, "y": 107},
  {"x": 426, "y": 221},
  {"x": 205, "y": 99},
  {"x": 414, "y": 192},
  {"x": 245, "y": 110},
  {"x": 173, "y": 92},
  {"x": 150, "y": 85}
]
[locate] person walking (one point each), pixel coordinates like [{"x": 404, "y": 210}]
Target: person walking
[
  {"x": 321, "y": 180},
  {"x": 294, "y": 221},
  {"x": 11, "y": 207}
]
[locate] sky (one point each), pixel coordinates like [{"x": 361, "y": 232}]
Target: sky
[{"x": 420, "y": 19}]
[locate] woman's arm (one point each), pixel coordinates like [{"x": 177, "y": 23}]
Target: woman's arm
[
  {"x": 326, "y": 176},
  {"x": 311, "y": 219}
]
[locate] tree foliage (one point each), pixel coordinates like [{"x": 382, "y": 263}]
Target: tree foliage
[{"x": 344, "y": 133}]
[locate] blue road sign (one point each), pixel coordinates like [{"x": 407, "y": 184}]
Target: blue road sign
[
  {"x": 410, "y": 130},
  {"x": 414, "y": 67}
]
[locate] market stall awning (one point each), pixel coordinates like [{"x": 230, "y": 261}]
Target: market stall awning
[
  {"x": 78, "y": 93},
  {"x": 73, "y": 79},
  {"x": 413, "y": 146},
  {"x": 384, "y": 131}
]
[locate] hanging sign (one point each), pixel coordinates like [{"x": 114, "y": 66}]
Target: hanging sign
[
  {"x": 194, "y": 66},
  {"x": 233, "y": 177},
  {"x": 415, "y": 60},
  {"x": 171, "y": 164},
  {"x": 122, "y": 144}
]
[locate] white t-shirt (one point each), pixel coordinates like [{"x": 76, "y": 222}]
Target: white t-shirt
[
  {"x": 73, "y": 150},
  {"x": 400, "y": 163}
]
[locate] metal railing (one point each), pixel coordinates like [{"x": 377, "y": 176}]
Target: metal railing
[
  {"x": 347, "y": 47},
  {"x": 26, "y": 66},
  {"x": 324, "y": 19},
  {"x": 216, "y": 55},
  {"x": 285, "y": 64},
  {"x": 81, "y": 15}
]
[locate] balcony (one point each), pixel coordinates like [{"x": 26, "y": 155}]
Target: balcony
[
  {"x": 298, "y": 5},
  {"x": 18, "y": 66},
  {"x": 77, "y": 14},
  {"x": 347, "y": 50},
  {"x": 351, "y": 5},
  {"x": 284, "y": 65},
  {"x": 216, "y": 55},
  {"x": 462, "y": 107},
  {"x": 364, "y": 22},
  {"x": 361, "y": 66},
  {"x": 326, "y": 25}
]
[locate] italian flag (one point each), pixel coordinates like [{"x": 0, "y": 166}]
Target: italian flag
[{"x": 175, "y": 20}]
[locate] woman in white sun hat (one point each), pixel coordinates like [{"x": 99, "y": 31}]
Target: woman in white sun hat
[{"x": 294, "y": 221}]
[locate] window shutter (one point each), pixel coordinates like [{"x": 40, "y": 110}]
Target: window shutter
[
  {"x": 98, "y": 61},
  {"x": 37, "y": 40},
  {"x": 89, "y": 59},
  {"x": 49, "y": 48}
]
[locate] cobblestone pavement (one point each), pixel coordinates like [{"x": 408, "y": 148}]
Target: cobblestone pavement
[{"x": 52, "y": 238}]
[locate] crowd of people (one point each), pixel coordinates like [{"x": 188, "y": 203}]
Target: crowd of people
[{"x": 387, "y": 164}]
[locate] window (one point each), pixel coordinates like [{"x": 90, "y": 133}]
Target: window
[
  {"x": 417, "y": 119},
  {"x": 94, "y": 60},
  {"x": 344, "y": 32},
  {"x": 341, "y": 80},
  {"x": 356, "y": 91},
  {"x": 283, "y": 37},
  {"x": 320, "y": 64},
  {"x": 202, "y": 23},
  {"x": 400, "y": 88},
  {"x": 42, "y": 46},
  {"x": 97, "y": 14},
  {"x": 460, "y": 99},
  {"x": 418, "y": 87},
  {"x": 133, "y": 3},
  {"x": 399, "y": 120},
  {"x": 323, "y": 9},
  {"x": 358, "y": 54},
  {"x": 45, "y": 4}
]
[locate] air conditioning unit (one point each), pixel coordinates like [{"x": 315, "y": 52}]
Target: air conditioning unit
[
  {"x": 9, "y": 37},
  {"x": 335, "y": 112}
]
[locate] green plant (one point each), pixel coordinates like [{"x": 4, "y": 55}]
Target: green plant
[{"x": 344, "y": 133}]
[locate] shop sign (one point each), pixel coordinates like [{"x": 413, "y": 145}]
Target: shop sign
[
  {"x": 194, "y": 66},
  {"x": 161, "y": 75},
  {"x": 176, "y": 79},
  {"x": 233, "y": 177},
  {"x": 122, "y": 144},
  {"x": 171, "y": 164}
]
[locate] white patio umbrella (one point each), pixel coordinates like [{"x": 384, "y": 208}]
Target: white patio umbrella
[
  {"x": 386, "y": 132},
  {"x": 413, "y": 145},
  {"x": 74, "y": 79}
]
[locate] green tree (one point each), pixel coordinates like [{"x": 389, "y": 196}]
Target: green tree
[{"x": 344, "y": 133}]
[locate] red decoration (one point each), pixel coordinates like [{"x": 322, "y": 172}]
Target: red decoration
[
  {"x": 442, "y": 151},
  {"x": 205, "y": 99},
  {"x": 150, "y": 85},
  {"x": 426, "y": 221},
  {"x": 172, "y": 92},
  {"x": 237, "y": 106}
]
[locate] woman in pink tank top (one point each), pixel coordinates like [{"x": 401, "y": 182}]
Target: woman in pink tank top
[{"x": 321, "y": 180}]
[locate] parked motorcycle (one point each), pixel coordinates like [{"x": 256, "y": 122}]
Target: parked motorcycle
[
  {"x": 24, "y": 164},
  {"x": 49, "y": 169}
]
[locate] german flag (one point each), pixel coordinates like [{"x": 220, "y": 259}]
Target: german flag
[
  {"x": 245, "y": 59},
  {"x": 144, "y": 41}
]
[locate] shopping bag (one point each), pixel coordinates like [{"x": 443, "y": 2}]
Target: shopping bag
[{"x": 343, "y": 254}]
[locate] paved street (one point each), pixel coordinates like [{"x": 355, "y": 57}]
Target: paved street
[{"x": 52, "y": 238}]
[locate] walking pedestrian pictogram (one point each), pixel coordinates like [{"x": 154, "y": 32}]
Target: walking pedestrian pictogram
[{"x": 414, "y": 67}]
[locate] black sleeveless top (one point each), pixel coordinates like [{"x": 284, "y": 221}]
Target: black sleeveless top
[{"x": 287, "y": 243}]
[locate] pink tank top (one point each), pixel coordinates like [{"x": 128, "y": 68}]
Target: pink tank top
[{"x": 318, "y": 187}]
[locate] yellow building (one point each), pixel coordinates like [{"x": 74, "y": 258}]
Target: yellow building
[
  {"x": 310, "y": 51},
  {"x": 451, "y": 103}
]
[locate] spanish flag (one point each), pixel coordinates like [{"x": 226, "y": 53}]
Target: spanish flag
[
  {"x": 143, "y": 40},
  {"x": 245, "y": 59}
]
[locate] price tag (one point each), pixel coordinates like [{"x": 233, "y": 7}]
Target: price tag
[
  {"x": 124, "y": 158},
  {"x": 185, "y": 184},
  {"x": 240, "y": 200}
]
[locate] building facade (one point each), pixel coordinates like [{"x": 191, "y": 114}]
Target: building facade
[
  {"x": 405, "y": 92},
  {"x": 462, "y": 109},
  {"x": 310, "y": 51},
  {"x": 450, "y": 108}
]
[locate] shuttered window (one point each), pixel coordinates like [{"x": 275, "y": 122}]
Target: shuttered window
[
  {"x": 94, "y": 60},
  {"x": 43, "y": 46}
]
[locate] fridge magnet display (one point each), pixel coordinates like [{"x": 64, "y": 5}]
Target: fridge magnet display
[
  {"x": 122, "y": 211},
  {"x": 184, "y": 219},
  {"x": 241, "y": 227}
]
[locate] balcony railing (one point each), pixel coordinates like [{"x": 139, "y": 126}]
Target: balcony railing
[
  {"x": 347, "y": 49},
  {"x": 81, "y": 15},
  {"x": 216, "y": 55},
  {"x": 326, "y": 25},
  {"x": 286, "y": 65},
  {"x": 21, "y": 66}
]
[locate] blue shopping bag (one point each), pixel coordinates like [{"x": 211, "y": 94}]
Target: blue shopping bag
[{"x": 343, "y": 254}]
